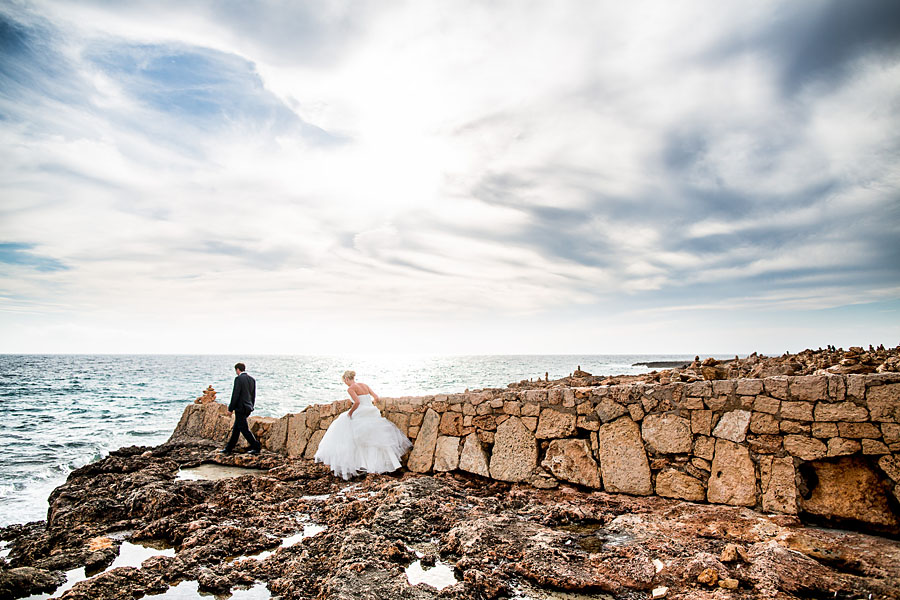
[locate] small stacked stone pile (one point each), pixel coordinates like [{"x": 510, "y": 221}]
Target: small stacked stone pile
[{"x": 209, "y": 395}]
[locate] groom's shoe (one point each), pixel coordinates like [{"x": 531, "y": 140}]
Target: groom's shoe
[
  {"x": 253, "y": 451},
  {"x": 226, "y": 451}
]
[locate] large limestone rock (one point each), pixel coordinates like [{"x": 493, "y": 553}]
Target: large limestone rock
[
  {"x": 733, "y": 426},
  {"x": 623, "y": 461},
  {"x": 555, "y": 423},
  {"x": 668, "y": 434},
  {"x": 514, "y": 456},
  {"x": 446, "y": 453},
  {"x": 849, "y": 488},
  {"x": 313, "y": 445},
  {"x": 733, "y": 477},
  {"x": 571, "y": 460},
  {"x": 805, "y": 447},
  {"x": 884, "y": 402},
  {"x": 779, "y": 488},
  {"x": 297, "y": 434},
  {"x": 421, "y": 457},
  {"x": 675, "y": 484},
  {"x": 276, "y": 441},
  {"x": 608, "y": 410},
  {"x": 473, "y": 457},
  {"x": 261, "y": 427}
]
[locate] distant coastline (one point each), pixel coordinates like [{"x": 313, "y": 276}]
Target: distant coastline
[{"x": 663, "y": 364}]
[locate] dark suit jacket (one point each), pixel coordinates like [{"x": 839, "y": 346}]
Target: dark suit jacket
[{"x": 243, "y": 394}]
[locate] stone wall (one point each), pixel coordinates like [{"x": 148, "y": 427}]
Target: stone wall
[{"x": 823, "y": 445}]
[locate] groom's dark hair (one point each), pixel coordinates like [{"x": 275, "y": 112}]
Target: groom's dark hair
[{"x": 240, "y": 367}]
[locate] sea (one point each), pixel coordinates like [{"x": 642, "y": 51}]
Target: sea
[{"x": 60, "y": 412}]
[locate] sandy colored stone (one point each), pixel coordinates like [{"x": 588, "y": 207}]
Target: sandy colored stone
[
  {"x": 692, "y": 403},
  {"x": 421, "y": 457},
  {"x": 848, "y": 488},
  {"x": 805, "y": 447},
  {"x": 733, "y": 477},
  {"x": 400, "y": 419},
  {"x": 733, "y": 426},
  {"x": 856, "y": 387},
  {"x": 874, "y": 447},
  {"x": 890, "y": 433},
  {"x": 473, "y": 458},
  {"x": 776, "y": 387},
  {"x": 608, "y": 410},
  {"x": 446, "y": 453},
  {"x": 587, "y": 422},
  {"x": 531, "y": 410},
  {"x": 312, "y": 417},
  {"x": 555, "y": 423},
  {"x": 841, "y": 447},
  {"x": 512, "y": 408},
  {"x": 451, "y": 424},
  {"x": 514, "y": 456},
  {"x": 701, "y": 422},
  {"x": 571, "y": 460},
  {"x": 859, "y": 430},
  {"x": 765, "y": 404},
  {"x": 798, "y": 411},
  {"x": 884, "y": 402},
  {"x": 667, "y": 434},
  {"x": 704, "y": 447},
  {"x": 530, "y": 423},
  {"x": 636, "y": 412},
  {"x": 312, "y": 446},
  {"x": 765, "y": 423},
  {"x": 764, "y": 443},
  {"x": 810, "y": 388},
  {"x": 891, "y": 467},
  {"x": 749, "y": 387},
  {"x": 623, "y": 461},
  {"x": 777, "y": 482},
  {"x": 824, "y": 430},
  {"x": 297, "y": 434},
  {"x": 795, "y": 427},
  {"x": 675, "y": 484},
  {"x": 841, "y": 411}
]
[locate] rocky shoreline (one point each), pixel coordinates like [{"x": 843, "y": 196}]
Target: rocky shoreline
[{"x": 288, "y": 529}]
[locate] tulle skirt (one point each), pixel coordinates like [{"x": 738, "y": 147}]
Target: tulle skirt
[{"x": 367, "y": 443}]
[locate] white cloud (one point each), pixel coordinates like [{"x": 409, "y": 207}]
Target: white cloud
[{"x": 476, "y": 164}]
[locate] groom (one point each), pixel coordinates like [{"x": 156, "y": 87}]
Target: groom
[{"x": 243, "y": 400}]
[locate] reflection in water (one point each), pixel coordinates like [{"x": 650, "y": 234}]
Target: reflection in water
[
  {"x": 130, "y": 555},
  {"x": 212, "y": 472},
  {"x": 190, "y": 590},
  {"x": 309, "y": 530},
  {"x": 439, "y": 576},
  {"x": 520, "y": 593}
]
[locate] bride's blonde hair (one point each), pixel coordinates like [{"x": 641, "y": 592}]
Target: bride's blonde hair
[{"x": 348, "y": 376}]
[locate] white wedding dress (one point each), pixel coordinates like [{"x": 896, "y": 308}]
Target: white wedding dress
[{"x": 366, "y": 443}]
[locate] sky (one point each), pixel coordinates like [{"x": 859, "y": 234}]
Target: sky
[{"x": 421, "y": 176}]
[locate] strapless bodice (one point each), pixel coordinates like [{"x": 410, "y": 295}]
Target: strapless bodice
[{"x": 363, "y": 398}]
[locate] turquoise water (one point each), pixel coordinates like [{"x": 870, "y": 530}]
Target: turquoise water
[{"x": 64, "y": 411}]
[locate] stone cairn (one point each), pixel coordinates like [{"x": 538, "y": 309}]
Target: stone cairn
[{"x": 209, "y": 395}]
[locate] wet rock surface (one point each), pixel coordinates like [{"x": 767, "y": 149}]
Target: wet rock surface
[{"x": 502, "y": 539}]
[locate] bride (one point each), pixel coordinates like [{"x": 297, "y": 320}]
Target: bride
[{"x": 361, "y": 440}]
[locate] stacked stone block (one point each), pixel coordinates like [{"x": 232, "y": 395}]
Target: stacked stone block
[{"x": 747, "y": 442}]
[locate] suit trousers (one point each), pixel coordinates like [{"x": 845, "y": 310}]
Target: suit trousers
[{"x": 241, "y": 428}]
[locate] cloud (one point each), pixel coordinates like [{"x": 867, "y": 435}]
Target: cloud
[
  {"x": 19, "y": 254},
  {"x": 358, "y": 165}
]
